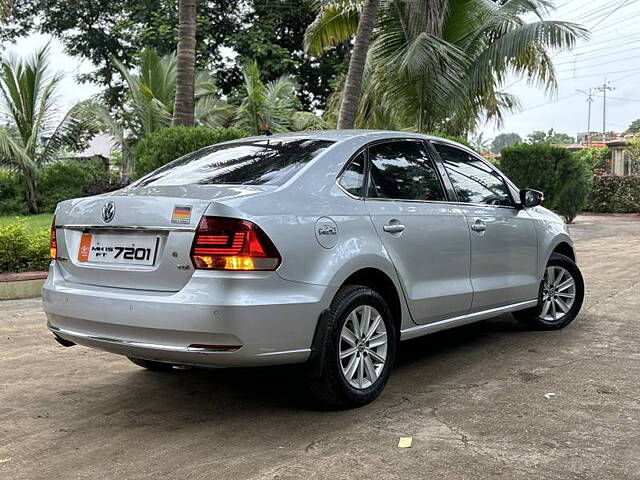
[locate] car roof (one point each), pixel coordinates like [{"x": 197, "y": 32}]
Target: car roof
[{"x": 343, "y": 135}]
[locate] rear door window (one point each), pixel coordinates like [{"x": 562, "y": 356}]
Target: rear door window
[
  {"x": 257, "y": 162},
  {"x": 402, "y": 170}
]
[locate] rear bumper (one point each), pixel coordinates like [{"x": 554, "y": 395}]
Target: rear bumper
[{"x": 269, "y": 319}]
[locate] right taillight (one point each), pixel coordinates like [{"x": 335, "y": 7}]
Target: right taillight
[
  {"x": 232, "y": 244},
  {"x": 53, "y": 247}
]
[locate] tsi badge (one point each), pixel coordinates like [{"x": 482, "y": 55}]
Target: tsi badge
[{"x": 326, "y": 232}]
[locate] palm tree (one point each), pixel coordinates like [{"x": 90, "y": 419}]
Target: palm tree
[
  {"x": 441, "y": 65},
  {"x": 34, "y": 133},
  {"x": 333, "y": 24},
  {"x": 149, "y": 103},
  {"x": 183, "y": 113},
  {"x": 266, "y": 107},
  {"x": 5, "y": 9}
]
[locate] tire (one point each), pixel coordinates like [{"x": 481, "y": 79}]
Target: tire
[
  {"x": 151, "y": 365},
  {"x": 543, "y": 317},
  {"x": 327, "y": 373}
]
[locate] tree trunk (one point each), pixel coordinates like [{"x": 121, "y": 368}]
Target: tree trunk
[
  {"x": 183, "y": 110},
  {"x": 353, "y": 83},
  {"x": 32, "y": 192}
]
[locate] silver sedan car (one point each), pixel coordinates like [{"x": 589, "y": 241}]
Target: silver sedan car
[{"x": 324, "y": 248}]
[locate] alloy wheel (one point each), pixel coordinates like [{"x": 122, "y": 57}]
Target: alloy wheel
[
  {"x": 558, "y": 293},
  {"x": 363, "y": 346}
]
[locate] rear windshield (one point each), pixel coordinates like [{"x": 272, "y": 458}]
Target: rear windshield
[{"x": 259, "y": 162}]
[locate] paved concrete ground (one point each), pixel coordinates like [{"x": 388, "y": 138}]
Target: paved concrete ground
[{"x": 473, "y": 399}]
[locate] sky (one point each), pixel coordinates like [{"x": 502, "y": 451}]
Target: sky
[{"x": 612, "y": 52}]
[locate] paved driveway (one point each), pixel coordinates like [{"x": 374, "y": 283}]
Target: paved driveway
[{"x": 473, "y": 399}]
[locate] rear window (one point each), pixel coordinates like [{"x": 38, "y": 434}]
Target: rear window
[{"x": 259, "y": 162}]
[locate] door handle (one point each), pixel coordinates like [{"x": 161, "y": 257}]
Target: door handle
[
  {"x": 478, "y": 226},
  {"x": 394, "y": 228}
]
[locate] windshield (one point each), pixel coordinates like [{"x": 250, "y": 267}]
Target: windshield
[{"x": 258, "y": 162}]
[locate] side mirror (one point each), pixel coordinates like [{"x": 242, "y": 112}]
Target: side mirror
[{"x": 531, "y": 198}]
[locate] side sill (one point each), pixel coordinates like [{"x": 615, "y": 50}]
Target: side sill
[{"x": 420, "y": 330}]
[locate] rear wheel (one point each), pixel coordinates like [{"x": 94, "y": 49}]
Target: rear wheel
[
  {"x": 151, "y": 365},
  {"x": 354, "y": 349},
  {"x": 561, "y": 295}
]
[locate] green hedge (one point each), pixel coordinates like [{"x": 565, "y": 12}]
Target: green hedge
[
  {"x": 23, "y": 251},
  {"x": 57, "y": 181},
  {"x": 11, "y": 194},
  {"x": 164, "y": 145},
  {"x": 612, "y": 194},
  {"x": 564, "y": 177}
]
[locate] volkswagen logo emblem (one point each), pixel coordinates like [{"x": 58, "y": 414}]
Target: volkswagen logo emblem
[{"x": 108, "y": 212}]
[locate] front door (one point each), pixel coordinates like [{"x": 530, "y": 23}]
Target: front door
[
  {"x": 426, "y": 237},
  {"x": 504, "y": 255}
]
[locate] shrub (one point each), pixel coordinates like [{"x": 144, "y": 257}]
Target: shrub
[
  {"x": 164, "y": 145},
  {"x": 564, "y": 177},
  {"x": 11, "y": 194},
  {"x": 597, "y": 158},
  {"x": 60, "y": 181},
  {"x": 612, "y": 194},
  {"x": 22, "y": 251}
]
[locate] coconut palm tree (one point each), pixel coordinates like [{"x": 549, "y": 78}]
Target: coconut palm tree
[
  {"x": 441, "y": 65},
  {"x": 34, "y": 133},
  {"x": 183, "y": 113},
  {"x": 266, "y": 107},
  {"x": 149, "y": 103},
  {"x": 335, "y": 24}
]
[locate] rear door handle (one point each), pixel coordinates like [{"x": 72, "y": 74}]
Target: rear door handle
[
  {"x": 394, "y": 228},
  {"x": 478, "y": 226}
]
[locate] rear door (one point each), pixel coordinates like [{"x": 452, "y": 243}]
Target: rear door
[
  {"x": 426, "y": 237},
  {"x": 504, "y": 252}
]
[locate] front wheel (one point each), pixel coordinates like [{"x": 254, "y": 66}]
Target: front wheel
[
  {"x": 354, "y": 349},
  {"x": 561, "y": 295}
]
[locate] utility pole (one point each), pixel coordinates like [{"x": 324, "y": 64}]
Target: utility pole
[
  {"x": 606, "y": 86},
  {"x": 589, "y": 101}
]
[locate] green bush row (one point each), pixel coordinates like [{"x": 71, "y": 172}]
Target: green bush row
[
  {"x": 564, "y": 178},
  {"x": 57, "y": 181},
  {"x": 164, "y": 145},
  {"x": 612, "y": 194},
  {"x": 23, "y": 251}
]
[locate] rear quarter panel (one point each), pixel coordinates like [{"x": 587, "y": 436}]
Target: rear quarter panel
[{"x": 289, "y": 215}]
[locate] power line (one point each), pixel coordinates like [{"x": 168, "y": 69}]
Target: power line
[
  {"x": 625, "y": 4},
  {"x": 557, "y": 100},
  {"x": 601, "y": 74},
  {"x": 600, "y": 64},
  {"x": 601, "y": 49},
  {"x": 577, "y": 61}
]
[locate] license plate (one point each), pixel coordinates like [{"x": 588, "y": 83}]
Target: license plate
[{"x": 118, "y": 249}]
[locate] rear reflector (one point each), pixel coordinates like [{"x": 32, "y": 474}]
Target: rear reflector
[
  {"x": 197, "y": 347},
  {"x": 53, "y": 248},
  {"x": 232, "y": 244}
]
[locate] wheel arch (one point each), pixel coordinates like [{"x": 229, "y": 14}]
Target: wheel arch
[
  {"x": 564, "y": 248},
  {"x": 379, "y": 281}
]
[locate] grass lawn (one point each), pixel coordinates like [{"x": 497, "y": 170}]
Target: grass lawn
[{"x": 33, "y": 223}]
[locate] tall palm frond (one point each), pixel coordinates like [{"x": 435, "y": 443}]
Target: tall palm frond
[
  {"x": 335, "y": 23},
  {"x": 34, "y": 134},
  {"x": 266, "y": 107}
]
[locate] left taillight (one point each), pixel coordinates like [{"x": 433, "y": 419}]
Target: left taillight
[
  {"x": 232, "y": 244},
  {"x": 53, "y": 249}
]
